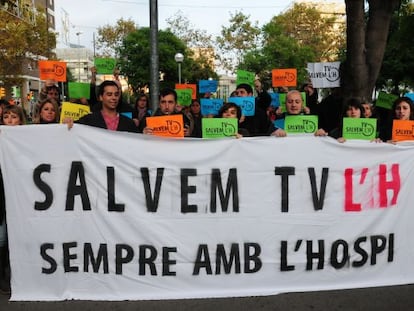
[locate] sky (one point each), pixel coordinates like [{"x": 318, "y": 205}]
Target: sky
[{"x": 85, "y": 16}]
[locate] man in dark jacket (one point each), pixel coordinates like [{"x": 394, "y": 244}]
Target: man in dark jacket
[{"x": 108, "y": 116}]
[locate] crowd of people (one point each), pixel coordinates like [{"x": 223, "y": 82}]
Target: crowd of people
[{"x": 107, "y": 111}]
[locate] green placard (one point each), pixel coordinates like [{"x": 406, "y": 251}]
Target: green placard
[
  {"x": 184, "y": 96},
  {"x": 244, "y": 76},
  {"x": 359, "y": 128},
  {"x": 105, "y": 66},
  {"x": 385, "y": 100},
  {"x": 79, "y": 90},
  {"x": 219, "y": 127},
  {"x": 302, "y": 124}
]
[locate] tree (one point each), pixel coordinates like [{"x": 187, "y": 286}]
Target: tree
[
  {"x": 366, "y": 42},
  {"x": 200, "y": 46},
  {"x": 22, "y": 40},
  {"x": 310, "y": 27},
  {"x": 397, "y": 71},
  {"x": 110, "y": 38},
  {"x": 241, "y": 37},
  {"x": 135, "y": 53}
]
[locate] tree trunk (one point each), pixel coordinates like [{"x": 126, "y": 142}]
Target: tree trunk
[{"x": 366, "y": 42}]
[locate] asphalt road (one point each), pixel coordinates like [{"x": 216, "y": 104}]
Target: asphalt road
[{"x": 393, "y": 298}]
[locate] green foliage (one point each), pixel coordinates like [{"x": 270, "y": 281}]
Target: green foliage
[
  {"x": 397, "y": 70},
  {"x": 110, "y": 38},
  {"x": 239, "y": 38},
  {"x": 292, "y": 39},
  {"x": 135, "y": 55},
  {"x": 21, "y": 40}
]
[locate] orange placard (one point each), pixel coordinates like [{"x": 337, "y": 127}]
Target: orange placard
[
  {"x": 188, "y": 86},
  {"x": 167, "y": 126},
  {"x": 284, "y": 77},
  {"x": 402, "y": 130},
  {"x": 52, "y": 70}
]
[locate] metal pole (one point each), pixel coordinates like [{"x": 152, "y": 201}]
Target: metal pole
[
  {"x": 179, "y": 73},
  {"x": 154, "y": 65}
]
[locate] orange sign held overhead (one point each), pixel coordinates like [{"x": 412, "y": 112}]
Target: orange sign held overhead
[
  {"x": 402, "y": 130},
  {"x": 52, "y": 70},
  {"x": 188, "y": 86},
  {"x": 284, "y": 77},
  {"x": 168, "y": 126}
]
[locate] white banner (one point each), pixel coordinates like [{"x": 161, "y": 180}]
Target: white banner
[
  {"x": 100, "y": 215},
  {"x": 324, "y": 75}
]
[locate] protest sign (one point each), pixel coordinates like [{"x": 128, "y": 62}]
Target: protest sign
[
  {"x": 284, "y": 77},
  {"x": 184, "y": 96},
  {"x": 105, "y": 66},
  {"x": 219, "y": 127},
  {"x": 324, "y": 75},
  {"x": 244, "y": 76},
  {"x": 168, "y": 126},
  {"x": 301, "y": 124},
  {"x": 385, "y": 100},
  {"x": 402, "y": 130},
  {"x": 52, "y": 70},
  {"x": 79, "y": 90},
  {"x": 207, "y": 86},
  {"x": 359, "y": 128},
  {"x": 185, "y": 86},
  {"x": 73, "y": 111},
  {"x": 247, "y": 104},
  {"x": 106, "y": 215},
  {"x": 210, "y": 106}
]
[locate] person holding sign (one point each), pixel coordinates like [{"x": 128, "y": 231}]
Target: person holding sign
[
  {"x": 167, "y": 106},
  {"x": 402, "y": 109},
  {"x": 294, "y": 106},
  {"x": 353, "y": 109},
  {"x": 231, "y": 110},
  {"x": 108, "y": 117}
]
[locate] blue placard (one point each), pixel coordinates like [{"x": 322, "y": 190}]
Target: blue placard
[
  {"x": 207, "y": 86},
  {"x": 210, "y": 106},
  {"x": 279, "y": 123},
  {"x": 127, "y": 114},
  {"x": 247, "y": 104},
  {"x": 275, "y": 100},
  {"x": 410, "y": 96}
]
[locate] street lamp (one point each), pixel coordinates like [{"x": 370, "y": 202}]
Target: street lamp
[
  {"x": 79, "y": 56},
  {"x": 179, "y": 58}
]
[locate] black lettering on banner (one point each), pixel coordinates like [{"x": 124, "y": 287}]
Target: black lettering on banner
[
  {"x": 335, "y": 262},
  {"x": 101, "y": 257},
  {"x": 202, "y": 260},
  {"x": 44, "y": 187},
  {"x": 391, "y": 247},
  {"x": 252, "y": 258},
  {"x": 167, "y": 262},
  {"x": 120, "y": 259},
  {"x": 285, "y": 172},
  {"x": 43, "y": 253},
  {"x": 234, "y": 257},
  {"x": 144, "y": 260},
  {"x": 318, "y": 255},
  {"x": 152, "y": 201},
  {"x": 112, "y": 206},
  {"x": 186, "y": 189},
  {"x": 68, "y": 256},
  {"x": 360, "y": 251},
  {"x": 77, "y": 171},
  {"x": 318, "y": 199},
  {"x": 232, "y": 187},
  {"x": 283, "y": 257},
  {"x": 378, "y": 244}
]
